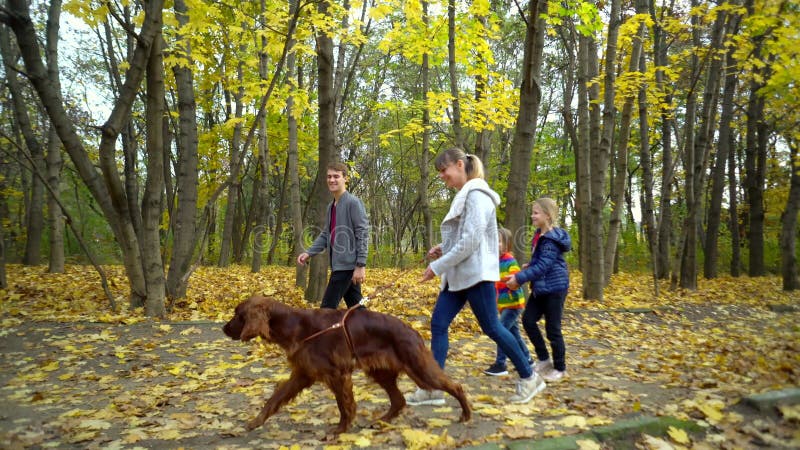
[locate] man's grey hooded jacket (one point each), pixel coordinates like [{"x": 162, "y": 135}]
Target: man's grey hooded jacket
[{"x": 351, "y": 236}]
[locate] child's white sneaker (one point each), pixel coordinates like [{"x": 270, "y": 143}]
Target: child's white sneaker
[{"x": 527, "y": 388}]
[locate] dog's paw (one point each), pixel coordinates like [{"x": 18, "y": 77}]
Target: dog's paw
[
  {"x": 331, "y": 435},
  {"x": 253, "y": 424}
]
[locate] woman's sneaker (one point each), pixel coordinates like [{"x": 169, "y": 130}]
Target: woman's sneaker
[
  {"x": 423, "y": 397},
  {"x": 496, "y": 369},
  {"x": 527, "y": 388},
  {"x": 554, "y": 375}
]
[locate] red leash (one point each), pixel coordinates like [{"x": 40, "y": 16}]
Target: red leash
[{"x": 339, "y": 324}]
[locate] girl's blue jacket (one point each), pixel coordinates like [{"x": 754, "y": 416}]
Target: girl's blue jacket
[{"x": 547, "y": 271}]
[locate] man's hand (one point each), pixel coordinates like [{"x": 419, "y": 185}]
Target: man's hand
[
  {"x": 359, "y": 275},
  {"x": 302, "y": 258}
]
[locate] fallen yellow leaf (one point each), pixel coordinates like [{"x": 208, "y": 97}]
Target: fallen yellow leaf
[
  {"x": 50, "y": 367},
  {"x": 573, "y": 421},
  {"x": 678, "y": 435},
  {"x": 587, "y": 444},
  {"x": 790, "y": 412},
  {"x": 713, "y": 414}
]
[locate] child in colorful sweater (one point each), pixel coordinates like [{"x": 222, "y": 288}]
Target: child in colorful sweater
[{"x": 510, "y": 303}]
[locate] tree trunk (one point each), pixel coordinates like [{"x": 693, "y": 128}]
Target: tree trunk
[
  {"x": 755, "y": 171},
  {"x": 130, "y": 152},
  {"x": 55, "y": 215},
  {"x": 733, "y": 218},
  {"x": 54, "y": 161},
  {"x": 125, "y": 194},
  {"x": 301, "y": 272},
  {"x": 723, "y": 151},
  {"x": 689, "y": 231},
  {"x": 458, "y": 133},
  {"x": 127, "y": 135},
  {"x": 261, "y": 191},
  {"x": 3, "y": 215},
  {"x": 618, "y": 187},
  {"x": 3, "y": 279},
  {"x": 600, "y": 150},
  {"x": 327, "y": 152},
  {"x": 152, "y": 201},
  {"x": 279, "y": 216},
  {"x": 697, "y": 151},
  {"x": 184, "y": 233},
  {"x": 664, "y": 224},
  {"x": 788, "y": 237},
  {"x": 646, "y": 161},
  {"x": 338, "y": 71},
  {"x": 755, "y": 160},
  {"x": 530, "y": 95},
  {"x": 583, "y": 158},
  {"x": 424, "y": 170},
  {"x": 234, "y": 186},
  {"x": 483, "y": 136},
  {"x": 34, "y": 217},
  {"x": 243, "y": 219}
]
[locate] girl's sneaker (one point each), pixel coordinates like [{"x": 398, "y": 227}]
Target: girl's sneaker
[
  {"x": 554, "y": 375},
  {"x": 496, "y": 370},
  {"x": 541, "y": 367}
]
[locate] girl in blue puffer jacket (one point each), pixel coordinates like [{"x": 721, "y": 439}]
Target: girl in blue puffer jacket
[{"x": 549, "y": 278}]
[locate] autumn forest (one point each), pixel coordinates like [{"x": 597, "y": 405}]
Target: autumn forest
[{"x": 168, "y": 136}]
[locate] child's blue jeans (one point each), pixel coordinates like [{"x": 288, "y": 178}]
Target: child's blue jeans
[
  {"x": 509, "y": 318},
  {"x": 481, "y": 298}
]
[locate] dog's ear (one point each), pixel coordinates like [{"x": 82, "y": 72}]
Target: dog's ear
[{"x": 256, "y": 321}]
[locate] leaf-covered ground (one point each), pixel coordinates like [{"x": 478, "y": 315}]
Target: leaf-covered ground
[{"x": 74, "y": 374}]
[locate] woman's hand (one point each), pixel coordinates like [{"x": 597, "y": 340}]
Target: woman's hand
[
  {"x": 435, "y": 252},
  {"x": 427, "y": 275}
]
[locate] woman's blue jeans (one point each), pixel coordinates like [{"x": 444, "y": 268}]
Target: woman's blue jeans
[
  {"x": 481, "y": 298},
  {"x": 509, "y": 318}
]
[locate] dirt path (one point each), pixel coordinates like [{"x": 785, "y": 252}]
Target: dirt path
[{"x": 159, "y": 385}]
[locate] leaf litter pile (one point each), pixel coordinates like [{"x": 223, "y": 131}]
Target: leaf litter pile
[{"x": 75, "y": 374}]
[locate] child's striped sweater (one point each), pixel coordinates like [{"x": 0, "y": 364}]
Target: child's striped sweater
[{"x": 505, "y": 297}]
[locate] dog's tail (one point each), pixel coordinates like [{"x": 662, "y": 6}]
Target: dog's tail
[{"x": 423, "y": 369}]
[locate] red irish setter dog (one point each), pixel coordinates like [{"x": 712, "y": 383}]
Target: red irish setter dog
[{"x": 326, "y": 345}]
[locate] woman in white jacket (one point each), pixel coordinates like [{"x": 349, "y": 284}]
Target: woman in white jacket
[{"x": 467, "y": 261}]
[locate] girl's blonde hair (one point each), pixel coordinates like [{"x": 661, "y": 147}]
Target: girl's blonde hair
[
  {"x": 472, "y": 164},
  {"x": 550, "y": 208},
  {"x": 505, "y": 238}
]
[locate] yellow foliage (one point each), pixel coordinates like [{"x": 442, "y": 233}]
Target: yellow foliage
[
  {"x": 419, "y": 440},
  {"x": 662, "y": 346}
]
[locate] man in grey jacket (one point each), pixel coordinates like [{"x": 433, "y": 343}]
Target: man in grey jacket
[{"x": 346, "y": 237}]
